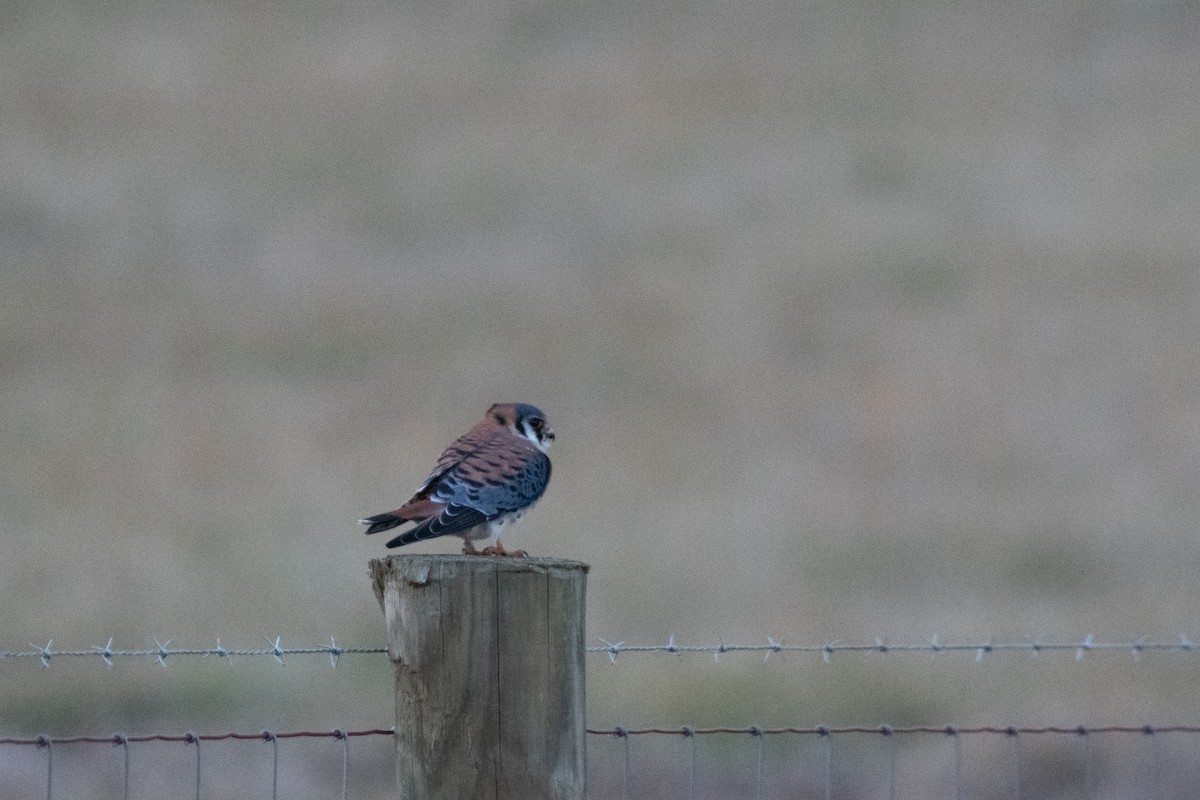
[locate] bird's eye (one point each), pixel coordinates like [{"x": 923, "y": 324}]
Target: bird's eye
[{"x": 537, "y": 424}]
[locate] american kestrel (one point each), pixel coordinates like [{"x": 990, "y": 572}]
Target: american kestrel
[{"x": 487, "y": 479}]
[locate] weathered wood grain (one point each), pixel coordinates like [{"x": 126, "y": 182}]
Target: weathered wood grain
[{"x": 489, "y": 666}]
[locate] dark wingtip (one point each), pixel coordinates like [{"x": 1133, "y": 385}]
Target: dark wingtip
[
  {"x": 405, "y": 538},
  {"x": 381, "y": 522}
]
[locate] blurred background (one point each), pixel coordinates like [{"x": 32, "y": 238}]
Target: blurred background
[{"x": 854, "y": 319}]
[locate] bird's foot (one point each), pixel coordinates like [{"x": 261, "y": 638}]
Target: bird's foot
[
  {"x": 469, "y": 549},
  {"x": 498, "y": 550}
]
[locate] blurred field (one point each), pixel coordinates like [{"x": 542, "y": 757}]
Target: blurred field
[{"x": 854, "y": 319}]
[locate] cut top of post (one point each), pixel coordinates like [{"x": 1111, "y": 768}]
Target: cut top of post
[
  {"x": 416, "y": 568},
  {"x": 402, "y": 576}
]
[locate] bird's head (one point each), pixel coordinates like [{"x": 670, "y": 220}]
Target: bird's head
[{"x": 525, "y": 421}]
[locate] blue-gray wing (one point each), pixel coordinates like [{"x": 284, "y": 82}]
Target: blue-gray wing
[
  {"x": 496, "y": 477},
  {"x": 495, "y": 481}
]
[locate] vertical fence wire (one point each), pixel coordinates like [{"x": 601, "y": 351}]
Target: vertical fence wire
[
  {"x": 956, "y": 760},
  {"x": 624, "y": 736},
  {"x": 193, "y": 739},
  {"x": 274, "y": 740},
  {"x": 1155, "y": 766},
  {"x": 757, "y": 733},
  {"x": 824, "y": 733},
  {"x": 1085, "y": 756},
  {"x": 121, "y": 741},
  {"x": 689, "y": 736},
  {"x": 44, "y": 741},
  {"x": 1089, "y": 764},
  {"x": 890, "y": 734},
  {"x": 1018, "y": 789},
  {"x": 341, "y": 734}
]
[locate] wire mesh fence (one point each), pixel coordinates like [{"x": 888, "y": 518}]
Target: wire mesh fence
[
  {"x": 752, "y": 762},
  {"x": 250, "y": 765},
  {"x": 197, "y": 743},
  {"x": 890, "y": 762},
  {"x": 1122, "y": 758}
]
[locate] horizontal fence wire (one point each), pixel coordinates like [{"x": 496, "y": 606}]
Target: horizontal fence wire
[
  {"x": 162, "y": 651},
  {"x": 620, "y": 731},
  {"x": 191, "y": 738},
  {"x": 889, "y": 730}
]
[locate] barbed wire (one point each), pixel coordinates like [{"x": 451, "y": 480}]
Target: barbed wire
[
  {"x": 163, "y": 650},
  {"x": 933, "y": 646}
]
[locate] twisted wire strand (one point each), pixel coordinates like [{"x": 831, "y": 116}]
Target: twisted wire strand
[
  {"x": 932, "y": 645},
  {"x": 162, "y": 651}
]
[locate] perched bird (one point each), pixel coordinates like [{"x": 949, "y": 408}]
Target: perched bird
[{"x": 487, "y": 479}]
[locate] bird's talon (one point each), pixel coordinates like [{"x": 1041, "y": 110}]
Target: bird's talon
[{"x": 499, "y": 551}]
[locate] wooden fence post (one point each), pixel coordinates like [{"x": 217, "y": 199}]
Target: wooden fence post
[{"x": 489, "y": 659}]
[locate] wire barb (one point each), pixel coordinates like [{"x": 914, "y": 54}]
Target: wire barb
[
  {"x": 162, "y": 652},
  {"x": 613, "y": 649},
  {"x": 1137, "y": 647},
  {"x": 105, "y": 652},
  {"x": 335, "y": 653},
  {"x": 44, "y": 654},
  {"x": 219, "y": 652},
  {"x": 1085, "y": 646},
  {"x": 276, "y": 650}
]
